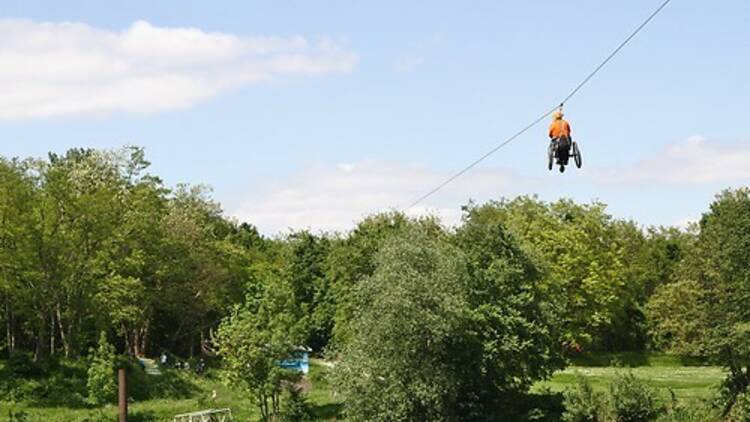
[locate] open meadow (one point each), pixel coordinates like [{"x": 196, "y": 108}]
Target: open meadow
[{"x": 690, "y": 381}]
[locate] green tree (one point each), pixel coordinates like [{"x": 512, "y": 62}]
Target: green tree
[
  {"x": 19, "y": 275},
  {"x": 101, "y": 383},
  {"x": 352, "y": 258},
  {"x": 719, "y": 264},
  {"x": 514, "y": 339},
  {"x": 410, "y": 315},
  {"x": 440, "y": 334},
  {"x": 678, "y": 318},
  {"x": 705, "y": 311},
  {"x": 258, "y": 336},
  {"x": 89, "y": 241},
  {"x": 305, "y": 267},
  {"x": 581, "y": 260}
]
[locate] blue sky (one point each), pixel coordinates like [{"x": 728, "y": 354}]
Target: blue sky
[{"x": 310, "y": 114}]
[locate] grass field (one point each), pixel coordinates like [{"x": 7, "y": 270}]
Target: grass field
[
  {"x": 688, "y": 379},
  {"x": 243, "y": 408}
]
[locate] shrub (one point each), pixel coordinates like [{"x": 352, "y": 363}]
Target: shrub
[
  {"x": 17, "y": 415},
  {"x": 581, "y": 403},
  {"x": 632, "y": 400},
  {"x": 690, "y": 413},
  {"x": 22, "y": 365},
  {"x": 101, "y": 384},
  {"x": 740, "y": 411},
  {"x": 295, "y": 407}
]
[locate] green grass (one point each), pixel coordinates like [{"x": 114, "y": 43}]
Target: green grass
[
  {"x": 686, "y": 378},
  {"x": 324, "y": 406}
]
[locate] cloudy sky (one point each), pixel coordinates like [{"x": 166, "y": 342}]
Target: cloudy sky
[{"x": 311, "y": 114}]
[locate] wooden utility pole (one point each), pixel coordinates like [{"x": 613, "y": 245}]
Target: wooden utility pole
[{"x": 123, "y": 395}]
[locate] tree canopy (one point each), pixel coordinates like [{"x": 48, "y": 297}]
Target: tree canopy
[{"x": 425, "y": 322}]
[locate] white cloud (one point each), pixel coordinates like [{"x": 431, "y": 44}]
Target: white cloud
[
  {"x": 49, "y": 69},
  {"x": 694, "y": 161},
  {"x": 335, "y": 198}
]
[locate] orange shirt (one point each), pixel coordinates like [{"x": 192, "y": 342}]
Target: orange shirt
[{"x": 559, "y": 128}]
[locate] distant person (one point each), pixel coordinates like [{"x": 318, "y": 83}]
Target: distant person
[
  {"x": 559, "y": 134},
  {"x": 163, "y": 359}
]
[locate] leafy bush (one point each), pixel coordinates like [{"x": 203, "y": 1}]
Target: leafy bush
[
  {"x": 690, "y": 413},
  {"x": 22, "y": 365},
  {"x": 171, "y": 384},
  {"x": 632, "y": 400},
  {"x": 17, "y": 415},
  {"x": 295, "y": 407},
  {"x": 101, "y": 384},
  {"x": 49, "y": 382},
  {"x": 581, "y": 403},
  {"x": 740, "y": 411}
]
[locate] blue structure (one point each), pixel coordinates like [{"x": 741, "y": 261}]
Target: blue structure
[{"x": 300, "y": 362}]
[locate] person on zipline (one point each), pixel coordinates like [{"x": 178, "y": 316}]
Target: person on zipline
[{"x": 559, "y": 134}]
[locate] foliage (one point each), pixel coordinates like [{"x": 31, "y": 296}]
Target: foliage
[
  {"x": 632, "y": 400},
  {"x": 513, "y": 339},
  {"x": 678, "y": 317},
  {"x": 101, "y": 383},
  {"x": 591, "y": 267},
  {"x": 582, "y": 404},
  {"x": 440, "y": 334},
  {"x": 706, "y": 311},
  {"x": 464, "y": 319},
  {"x": 740, "y": 411},
  {"x": 258, "y": 336},
  {"x": 91, "y": 242},
  {"x": 700, "y": 411},
  {"x": 306, "y": 256},
  {"x": 352, "y": 258},
  {"x": 17, "y": 416},
  {"x": 410, "y": 316},
  {"x": 295, "y": 407}
]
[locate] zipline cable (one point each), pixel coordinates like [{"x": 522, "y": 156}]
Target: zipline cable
[
  {"x": 545, "y": 115},
  {"x": 507, "y": 141}
]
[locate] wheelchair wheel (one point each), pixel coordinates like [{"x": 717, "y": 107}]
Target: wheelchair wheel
[
  {"x": 577, "y": 155},
  {"x": 550, "y": 156}
]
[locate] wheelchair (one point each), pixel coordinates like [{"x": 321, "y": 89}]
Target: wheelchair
[{"x": 559, "y": 152}]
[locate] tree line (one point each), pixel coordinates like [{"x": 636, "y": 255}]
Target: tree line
[{"x": 423, "y": 320}]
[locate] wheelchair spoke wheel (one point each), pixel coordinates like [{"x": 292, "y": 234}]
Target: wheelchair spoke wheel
[
  {"x": 550, "y": 156},
  {"x": 577, "y": 155}
]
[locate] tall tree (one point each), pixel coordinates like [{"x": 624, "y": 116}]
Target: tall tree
[
  {"x": 19, "y": 276},
  {"x": 575, "y": 247},
  {"x": 352, "y": 258},
  {"x": 715, "y": 283},
  {"x": 259, "y": 334},
  {"x": 442, "y": 334}
]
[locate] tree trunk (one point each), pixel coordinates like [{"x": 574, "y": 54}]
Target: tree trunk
[
  {"x": 63, "y": 333},
  {"x": 52, "y": 334},
  {"x": 128, "y": 334},
  {"x": 10, "y": 332},
  {"x": 275, "y": 402},
  {"x": 263, "y": 403},
  {"x": 144, "y": 336},
  {"x": 42, "y": 341}
]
